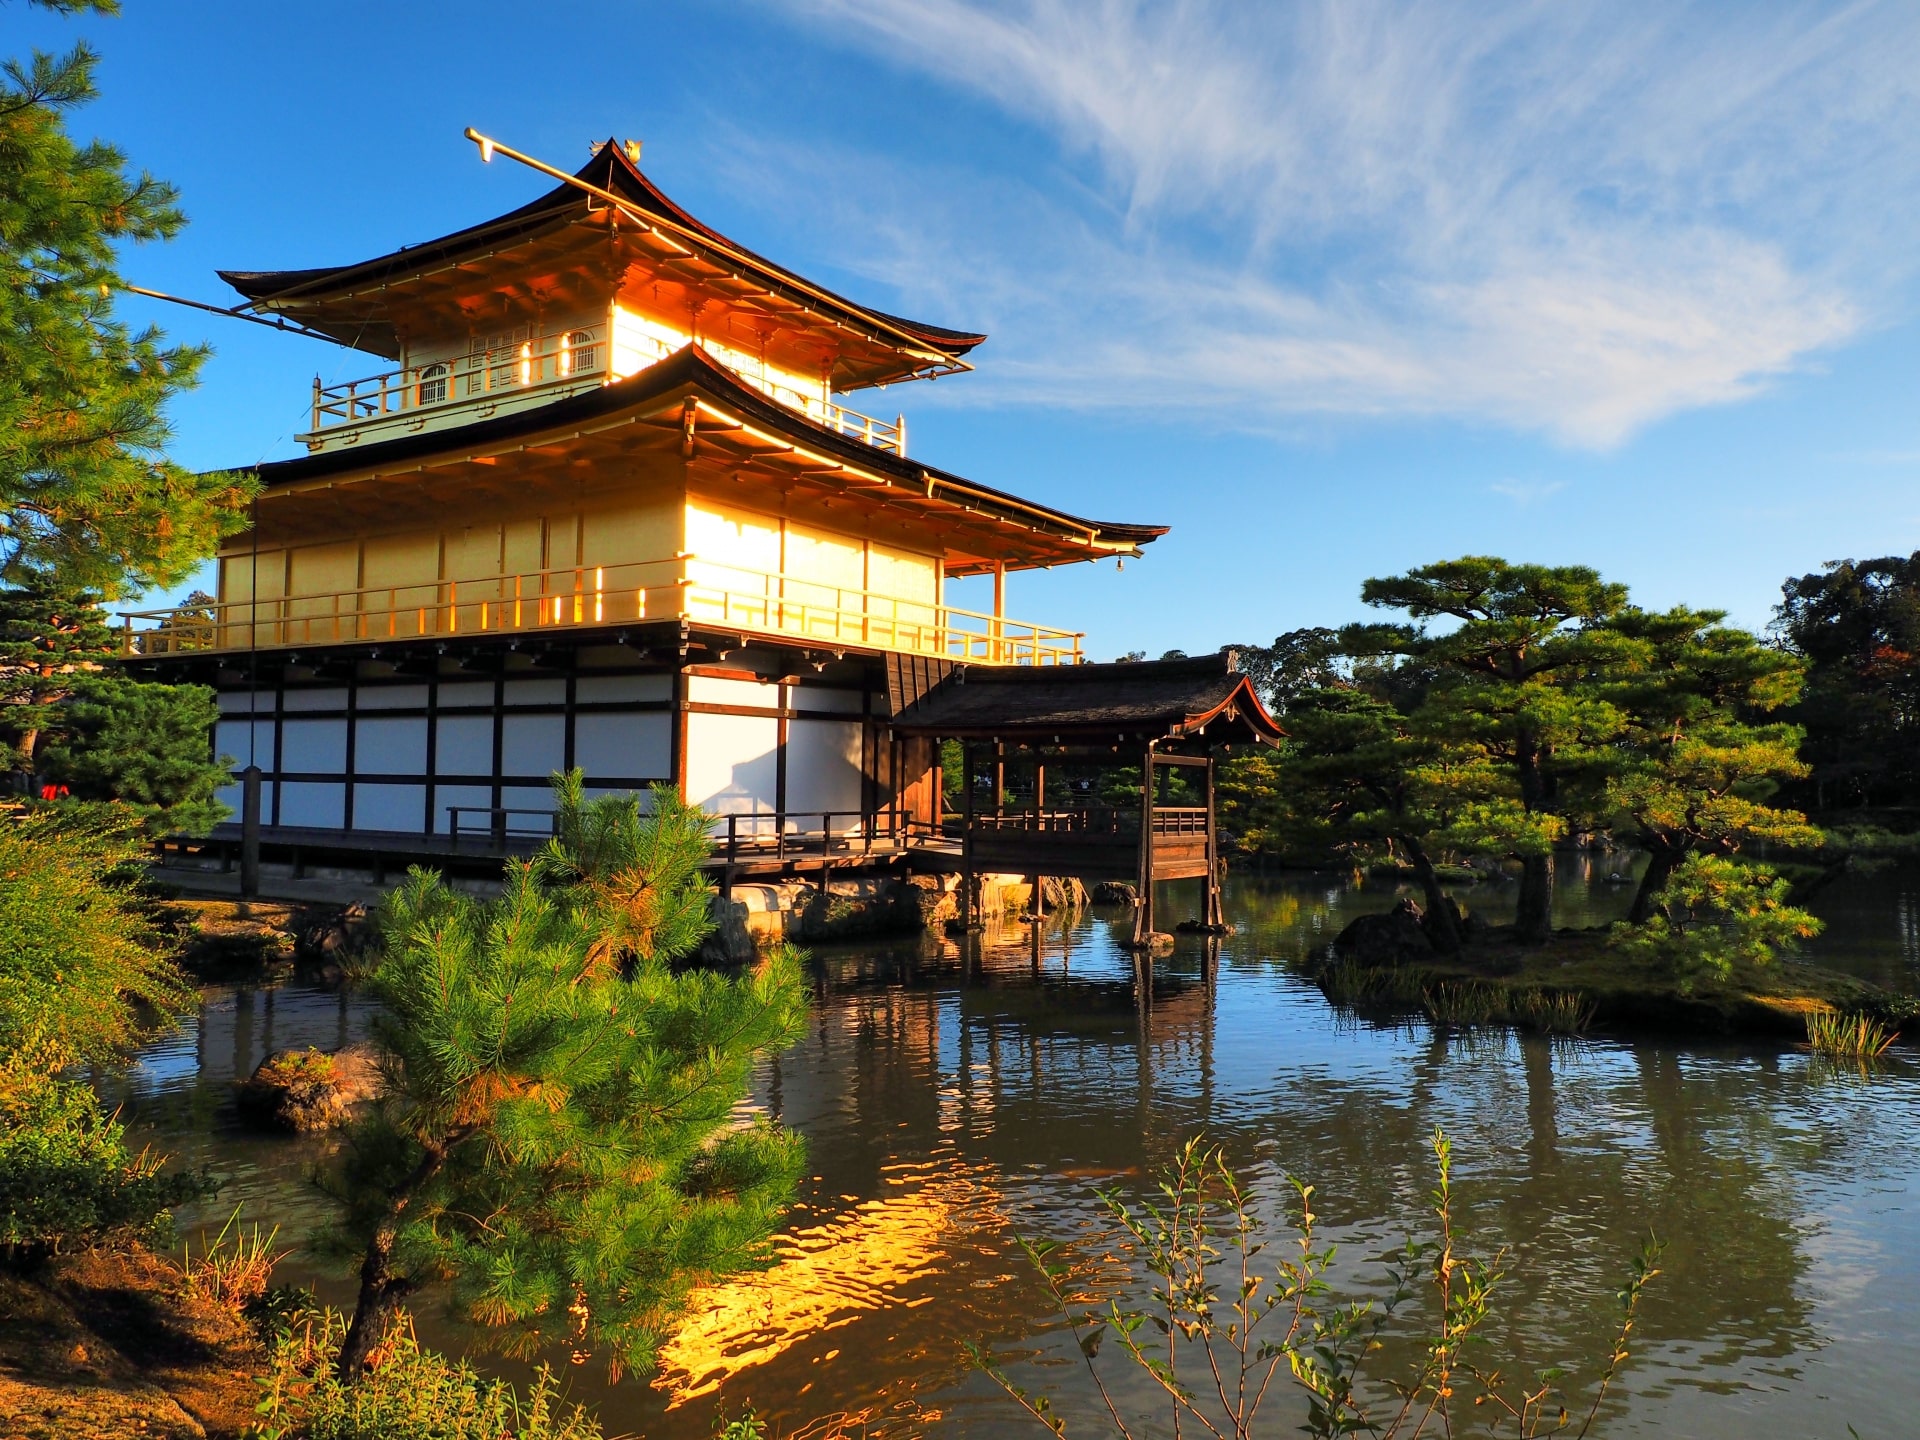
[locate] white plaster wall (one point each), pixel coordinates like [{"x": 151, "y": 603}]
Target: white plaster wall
[
  {"x": 316, "y": 746},
  {"x": 394, "y": 745},
  {"x": 630, "y": 746},
  {"x": 732, "y": 764},
  {"x": 390, "y": 807},
  {"x": 463, "y": 745},
  {"x": 319, "y": 804},
  {"x": 230, "y": 738},
  {"x": 823, "y": 770},
  {"x": 534, "y": 745}
]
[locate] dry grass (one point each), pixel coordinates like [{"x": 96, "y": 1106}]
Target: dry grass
[{"x": 234, "y": 1268}]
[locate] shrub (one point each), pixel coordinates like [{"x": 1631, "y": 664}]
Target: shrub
[
  {"x": 83, "y": 976},
  {"x": 1714, "y": 914},
  {"x": 414, "y": 1394},
  {"x": 66, "y": 1176}
]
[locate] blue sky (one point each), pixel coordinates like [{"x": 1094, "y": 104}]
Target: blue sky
[{"x": 1332, "y": 288}]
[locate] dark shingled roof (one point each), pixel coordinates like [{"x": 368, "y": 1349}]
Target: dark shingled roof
[
  {"x": 1153, "y": 699},
  {"x": 294, "y": 291}
]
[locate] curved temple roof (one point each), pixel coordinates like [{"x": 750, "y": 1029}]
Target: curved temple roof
[
  {"x": 324, "y": 298},
  {"x": 655, "y": 399}
]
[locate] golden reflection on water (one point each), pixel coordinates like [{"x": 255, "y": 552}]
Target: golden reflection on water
[{"x": 844, "y": 1283}]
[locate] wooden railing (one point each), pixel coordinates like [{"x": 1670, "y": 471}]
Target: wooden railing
[
  {"x": 563, "y": 355},
  {"x": 1097, "y": 820},
  {"x": 737, "y": 599},
  {"x": 519, "y": 364}
]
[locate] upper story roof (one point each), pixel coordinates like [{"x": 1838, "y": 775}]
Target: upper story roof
[
  {"x": 730, "y": 437},
  {"x": 571, "y": 244}
]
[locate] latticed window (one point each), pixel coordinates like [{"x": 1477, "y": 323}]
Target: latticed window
[
  {"x": 578, "y": 353},
  {"x": 433, "y": 384}
]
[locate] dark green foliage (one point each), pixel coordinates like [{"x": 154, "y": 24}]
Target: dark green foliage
[
  {"x": 1857, "y": 625},
  {"x": 558, "y": 1143},
  {"x": 48, "y": 639},
  {"x": 144, "y": 745},
  {"x": 83, "y": 979},
  {"x": 66, "y": 1176},
  {"x": 70, "y": 716},
  {"x": 413, "y": 1395},
  {"x": 87, "y": 495}
]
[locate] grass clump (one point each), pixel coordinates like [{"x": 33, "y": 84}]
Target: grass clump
[
  {"x": 411, "y": 1394},
  {"x": 234, "y": 1268},
  {"x": 1844, "y": 1036}
]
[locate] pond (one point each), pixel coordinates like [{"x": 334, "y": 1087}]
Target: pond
[{"x": 953, "y": 1094}]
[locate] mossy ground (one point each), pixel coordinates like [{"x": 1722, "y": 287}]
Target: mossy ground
[{"x": 1626, "y": 995}]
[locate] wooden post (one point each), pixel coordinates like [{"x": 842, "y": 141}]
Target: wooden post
[
  {"x": 250, "y": 831},
  {"x": 966, "y": 835},
  {"x": 1143, "y": 911},
  {"x": 1214, "y": 918},
  {"x": 998, "y": 627},
  {"x": 999, "y": 778}
]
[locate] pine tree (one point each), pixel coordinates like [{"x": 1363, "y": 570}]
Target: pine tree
[
  {"x": 71, "y": 717},
  {"x": 1506, "y": 680},
  {"x": 558, "y": 1143},
  {"x": 48, "y": 640},
  {"x": 1696, "y": 765},
  {"x": 144, "y": 745},
  {"x": 87, "y": 495}
]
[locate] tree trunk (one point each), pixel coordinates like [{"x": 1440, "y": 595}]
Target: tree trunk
[
  {"x": 381, "y": 1291},
  {"x": 1443, "y": 927},
  {"x": 1533, "y": 913},
  {"x": 1662, "y": 860}
]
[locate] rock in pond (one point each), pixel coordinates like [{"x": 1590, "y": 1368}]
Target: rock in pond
[
  {"x": 302, "y": 1090},
  {"x": 1395, "y": 937}
]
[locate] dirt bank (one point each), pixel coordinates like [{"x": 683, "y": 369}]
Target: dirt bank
[{"x": 110, "y": 1345}]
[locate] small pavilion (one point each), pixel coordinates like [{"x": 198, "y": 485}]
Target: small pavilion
[{"x": 1165, "y": 717}]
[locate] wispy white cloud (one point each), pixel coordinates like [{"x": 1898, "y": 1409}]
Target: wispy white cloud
[
  {"x": 1525, "y": 492},
  {"x": 1570, "y": 218}
]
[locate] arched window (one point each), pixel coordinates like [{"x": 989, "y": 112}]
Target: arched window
[
  {"x": 578, "y": 353},
  {"x": 433, "y": 384}
]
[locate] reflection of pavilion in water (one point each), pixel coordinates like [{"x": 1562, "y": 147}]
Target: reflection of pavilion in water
[{"x": 901, "y": 1052}]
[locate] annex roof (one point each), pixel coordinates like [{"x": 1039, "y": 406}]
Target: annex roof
[
  {"x": 357, "y": 303},
  {"x": 731, "y": 435},
  {"x": 1203, "y": 698}
]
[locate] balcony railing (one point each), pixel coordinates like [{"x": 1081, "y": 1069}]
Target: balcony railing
[
  {"x": 517, "y": 364},
  {"x": 520, "y": 365},
  {"x": 751, "y": 601}
]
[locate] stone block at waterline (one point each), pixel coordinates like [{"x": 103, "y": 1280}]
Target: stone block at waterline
[{"x": 850, "y": 909}]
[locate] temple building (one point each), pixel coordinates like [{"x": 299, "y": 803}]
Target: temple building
[{"x": 607, "y": 506}]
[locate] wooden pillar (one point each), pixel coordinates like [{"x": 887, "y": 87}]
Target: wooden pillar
[
  {"x": 966, "y": 835},
  {"x": 998, "y": 628},
  {"x": 1214, "y": 917},
  {"x": 250, "y": 832},
  {"x": 1036, "y": 907},
  {"x": 1143, "y": 912},
  {"x": 999, "y": 778}
]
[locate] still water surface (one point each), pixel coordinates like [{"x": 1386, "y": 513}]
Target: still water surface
[{"x": 952, "y": 1094}]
